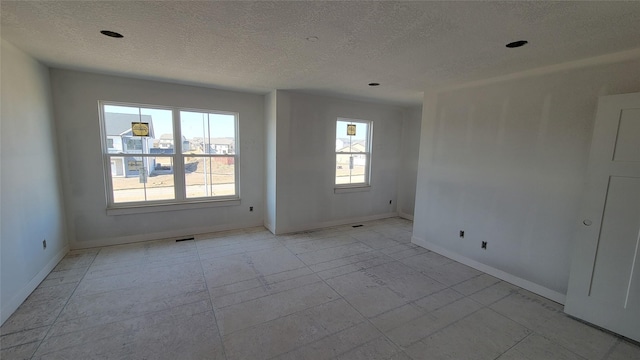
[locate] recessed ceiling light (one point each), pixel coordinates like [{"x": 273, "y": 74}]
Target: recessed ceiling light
[
  {"x": 112, "y": 34},
  {"x": 516, "y": 44},
  {"x": 312, "y": 38},
  {"x": 374, "y": 84}
]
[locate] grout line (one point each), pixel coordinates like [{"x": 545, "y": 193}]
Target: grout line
[
  {"x": 269, "y": 293},
  {"x": 213, "y": 311},
  {"x": 358, "y": 311},
  {"x": 319, "y": 339},
  {"x": 516, "y": 344},
  {"x": 66, "y": 303},
  {"x": 233, "y": 292}
]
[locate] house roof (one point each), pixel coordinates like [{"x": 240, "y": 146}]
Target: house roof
[
  {"x": 323, "y": 47},
  {"x": 117, "y": 124},
  {"x": 221, "y": 141}
]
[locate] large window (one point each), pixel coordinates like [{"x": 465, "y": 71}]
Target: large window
[
  {"x": 161, "y": 155},
  {"x": 353, "y": 152}
]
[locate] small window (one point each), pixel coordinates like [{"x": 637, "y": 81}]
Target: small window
[{"x": 353, "y": 152}]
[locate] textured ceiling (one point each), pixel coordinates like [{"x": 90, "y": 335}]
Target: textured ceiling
[{"x": 261, "y": 46}]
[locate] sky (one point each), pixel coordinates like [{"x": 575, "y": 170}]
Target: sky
[{"x": 193, "y": 124}]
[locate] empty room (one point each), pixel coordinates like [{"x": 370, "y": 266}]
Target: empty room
[{"x": 320, "y": 180}]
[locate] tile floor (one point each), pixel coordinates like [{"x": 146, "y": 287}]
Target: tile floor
[{"x": 337, "y": 293}]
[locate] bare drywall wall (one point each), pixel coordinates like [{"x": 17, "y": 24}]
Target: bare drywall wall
[
  {"x": 76, "y": 96},
  {"x": 408, "y": 175},
  {"x": 505, "y": 162},
  {"x": 32, "y": 204},
  {"x": 306, "y": 126},
  {"x": 270, "y": 161}
]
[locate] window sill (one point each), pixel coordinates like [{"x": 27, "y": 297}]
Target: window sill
[
  {"x": 141, "y": 209},
  {"x": 351, "y": 189}
]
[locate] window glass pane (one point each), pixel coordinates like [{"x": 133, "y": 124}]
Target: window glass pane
[
  {"x": 138, "y": 178},
  {"x": 351, "y": 168},
  {"x": 209, "y": 176},
  {"x": 121, "y": 138},
  {"x": 208, "y": 133},
  {"x": 352, "y": 143}
]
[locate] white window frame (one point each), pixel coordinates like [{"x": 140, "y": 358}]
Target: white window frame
[
  {"x": 367, "y": 176},
  {"x": 180, "y": 200}
]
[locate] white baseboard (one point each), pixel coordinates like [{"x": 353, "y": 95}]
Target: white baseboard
[
  {"x": 326, "y": 224},
  {"x": 512, "y": 279},
  {"x": 405, "y": 216},
  {"x": 8, "y": 308},
  {"x": 162, "y": 235}
]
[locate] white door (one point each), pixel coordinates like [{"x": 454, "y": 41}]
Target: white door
[{"x": 604, "y": 285}]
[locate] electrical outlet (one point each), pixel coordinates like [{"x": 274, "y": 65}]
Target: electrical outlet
[
  {"x": 44, "y": 244},
  {"x": 462, "y": 234},
  {"x": 250, "y": 208},
  {"x": 484, "y": 245}
]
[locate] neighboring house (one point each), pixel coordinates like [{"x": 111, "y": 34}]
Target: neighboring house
[
  {"x": 120, "y": 140},
  {"x": 357, "y": 146},
  {"x": 166, "y": 142},
  {"x": 219, "y": 146}
]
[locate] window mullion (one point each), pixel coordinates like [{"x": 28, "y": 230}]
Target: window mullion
[{"x": 178, "y": 159}]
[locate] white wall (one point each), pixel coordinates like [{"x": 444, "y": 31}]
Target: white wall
[
  {"x": 76, "y": 96},
  {"x": 306, "y": 162},
  {"x": 408, "y": 175},
  {"x": 270, "y": 161},
  {"x": 32, "y": 206},
  {"x": 506, "y": 163}
]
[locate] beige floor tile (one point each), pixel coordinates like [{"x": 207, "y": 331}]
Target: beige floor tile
[
  {"x": 20, "y": 352},
  {"x": 536, "y": 347},
  {"x": 482, "y": 335},
  {"x": 240, "y": 316},
  {"x": 72, "y": 276},
  {"x": 287, "y": 333},
  {"x": 327, "y": 265},
  {"x": 319, "y": 256},
  {"x": 426, "y": 262},
  {"x": 420, "y": 328},
  {"x": 437, "y": 300},
  {"x": 375, "y": 240},
  {"x": 174, "y": 300},
  {"x": 31, "y": 315},
  {"x": 333, "y": 345},
  {"x": 168, "y": 275},
  {"x": 475, "y": 284},
  {"x": 113, "y": 269},
  {"x": 122, "y": 303},
  {"x": 547, "y": 319},
  {"x": 392, "y": 285},
  {"x": 320, "y": 244},
  {"x": 23, "y": 337},
  {"x": 392, "y": 319},
  {"x": 246, "y": 266},
  {"x": 453, "y": 273},
  {"x": 494, "y": 293},
  {"x": 380, "y": 348},
  {"x": 76, "y": 260},
  {"x": 84, "y": 324},
  {"x": 188, "y": 330},
  {"x": 411, "y": 251},
  {"x": 212, "y": 251},
  {"x": 624, "y": 350},
  {"x": 265, "y": 289},
  {"x": 262, "y": 281},
  {"x": 358, "y": 266}
]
